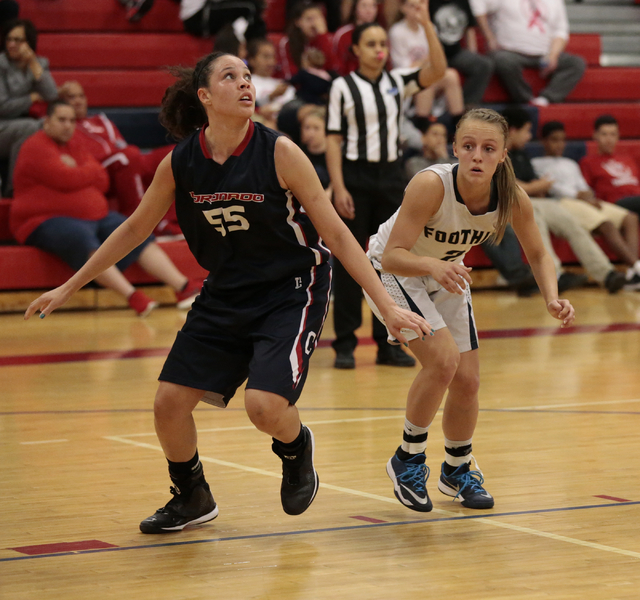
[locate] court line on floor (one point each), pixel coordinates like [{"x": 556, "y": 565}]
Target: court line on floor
[
  {"x": 60, "y": 357},
  {"x": 481, "y": 519},
  {"x": 540, "y": 408},
  {"x": 43, "y": 442},
  {"x": 257, "y": 536},
  {"x": 536, "y": 408},
  {"x": 251, "y": 427}
]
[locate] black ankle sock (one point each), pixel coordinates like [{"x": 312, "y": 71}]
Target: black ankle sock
[
  {"x": 192, "y": 469},
  {"x": 404, "y": 455},
  {"x": 292, "y": 447}
]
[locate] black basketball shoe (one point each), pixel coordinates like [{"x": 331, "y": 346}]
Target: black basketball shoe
[
  {"x": 193, "y": 506},
  {"x": 299, "y": 478}
]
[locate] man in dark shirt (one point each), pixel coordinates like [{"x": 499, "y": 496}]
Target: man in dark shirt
[{"x": 454, "y": 21}]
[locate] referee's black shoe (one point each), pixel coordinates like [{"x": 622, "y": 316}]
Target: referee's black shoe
[
  {"x": 191, "y": 507},
  {"x": 394, "y": 357},
  {"x": 299, "y": 478}
]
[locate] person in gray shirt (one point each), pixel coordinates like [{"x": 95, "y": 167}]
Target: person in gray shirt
[{"x": 25, "y": 80}]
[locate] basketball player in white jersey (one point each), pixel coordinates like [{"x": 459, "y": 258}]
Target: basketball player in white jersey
[{"x": 418, "y": 252}]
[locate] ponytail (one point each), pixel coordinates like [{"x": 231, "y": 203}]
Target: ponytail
[
  {"x": 504, "y": 176},
  {"x": 181, "y": 111},
  {"x": 507, "y": 189}
]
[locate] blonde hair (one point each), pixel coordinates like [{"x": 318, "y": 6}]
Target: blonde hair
[{"x": 504, "y": 176}]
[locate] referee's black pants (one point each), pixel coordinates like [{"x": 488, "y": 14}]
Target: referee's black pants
[{"x": 377, "y": 191}]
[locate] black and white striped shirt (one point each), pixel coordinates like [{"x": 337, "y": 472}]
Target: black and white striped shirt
[{"x": 368, "y": 114}]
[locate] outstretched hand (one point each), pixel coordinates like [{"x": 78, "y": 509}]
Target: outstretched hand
[
  {"x": 563, "y": 311},
  {"x": 47, "y": 303},
  {"x": 396, "y": 319}
]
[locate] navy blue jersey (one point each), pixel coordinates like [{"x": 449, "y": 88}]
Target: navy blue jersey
[{"x": 240, "y": 224}]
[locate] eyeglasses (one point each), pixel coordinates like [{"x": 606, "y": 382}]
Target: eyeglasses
[{"x": 18, "y": 40}]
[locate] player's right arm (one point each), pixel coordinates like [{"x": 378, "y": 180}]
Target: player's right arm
[
  {"x": 137, "y": 228},
  {"x": 421, "y": 201}
]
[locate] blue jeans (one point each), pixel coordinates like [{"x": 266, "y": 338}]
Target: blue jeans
[{"x": 75, "y": 240}]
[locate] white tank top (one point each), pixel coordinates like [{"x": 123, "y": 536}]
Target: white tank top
[{"x": 451, "y": 232}]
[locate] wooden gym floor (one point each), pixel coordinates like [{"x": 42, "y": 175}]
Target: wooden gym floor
[{"x": 557, "y": 440}]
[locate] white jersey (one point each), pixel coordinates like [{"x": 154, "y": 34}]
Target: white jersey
[{"x": 451, "y": 232}]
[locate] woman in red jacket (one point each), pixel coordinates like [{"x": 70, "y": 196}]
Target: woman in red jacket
[{"x": 60, "y": 207}]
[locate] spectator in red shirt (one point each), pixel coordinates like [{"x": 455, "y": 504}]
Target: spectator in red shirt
[
  {"x": 307, "y": 29},
  {"x": 613, "y": 176},
  {"x": 362, "y": 11},
  {"x": 130, "y": 171},
  {"x": 60, "y": 207}
]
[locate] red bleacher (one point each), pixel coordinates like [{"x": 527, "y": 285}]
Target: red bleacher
[{"x": 120, "y": 65}]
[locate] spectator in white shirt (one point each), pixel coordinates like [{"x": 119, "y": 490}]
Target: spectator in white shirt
[
  {"x": 409, "y": 49},
  {"x": 533, "y": 34},
  {"x": 618, "y": 226},
  {"x": 271, "y": 93}
]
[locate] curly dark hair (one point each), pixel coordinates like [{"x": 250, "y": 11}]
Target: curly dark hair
[{"x": 181, "y": 112}]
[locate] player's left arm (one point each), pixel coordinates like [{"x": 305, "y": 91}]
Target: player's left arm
[
  {"x": 525, "y": 227},
  {"x": 296, "y": 173}
]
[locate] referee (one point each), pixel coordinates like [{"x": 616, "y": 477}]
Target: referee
[{"x": 363, "y": 159}]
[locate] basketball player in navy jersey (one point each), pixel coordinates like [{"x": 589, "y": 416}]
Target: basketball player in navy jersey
[
  {"x": 446, "y": 210},
  {"x": 255, "y": 215}
]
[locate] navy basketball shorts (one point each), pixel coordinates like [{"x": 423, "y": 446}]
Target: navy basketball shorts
[
  {"x": 440, "y": 308},
  {"x": 264, "y": 335}
]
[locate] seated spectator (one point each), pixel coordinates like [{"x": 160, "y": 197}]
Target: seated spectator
[
  {"x": 617, "y": 225},
  {"x": 409, "y": 48},
  {"x": 230, "y": 39},
  {"x": 332, "y": 9},
  {"x": 614, "y": 176},
  {"x": 25, "y": 82},
  {"x": 313, "y": 142},
  {"x": 271, "y": 93},
  {"x": 307, "y": 32},
  {"x": 455, "y": 22},
  {"x": 534, "y": 35},
  {"x": 60, "y": 207},
  {"x": 204, "y": 18},
  {"x": 552, "y": 217},
  {"x": 313, "y": 81},
  {"x": 130, "y": 171},
  {"x": 434, "y": 149},
  {"x": 307, "y": 28},
  {"x": 362, "y": 11},
  {"x": 505, "y": 256}
]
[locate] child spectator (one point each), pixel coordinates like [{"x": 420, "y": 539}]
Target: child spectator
[
  {"x": 230, "y": 39},
  {"x": 25, "y": 82},
  {"x": 455, "y": 22},
  {"x": 307, "y": 28},
  {"x": 130, "y": 172},
  {"x": 271, "y": 93},
  {"x": 614, "y": 176},
  {"x": 434, "y": 149},
  {"x": 313, "y": 142},
  {"x": 617, "y": 225},
  {"x": 60, "y": 207},
  {"x": 409, "y": 48},
  {"x": 530, "y": 34},
  {"x": 551, "y": 217},
  {"x": 312, "y": 81},
  {"x": 362, "y": 11}
]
